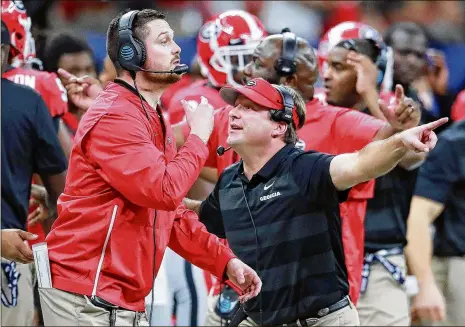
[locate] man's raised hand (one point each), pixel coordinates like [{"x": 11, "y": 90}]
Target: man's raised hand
[
  {"x": 402, "y": 112},
  {"x": 199, "y": 117},
  {"x": 82, "y": 91}
]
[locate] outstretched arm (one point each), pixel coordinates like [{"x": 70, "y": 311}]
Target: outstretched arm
[
  {"x": 191, "y": 240},
  {"x": 380, "y": 157}
]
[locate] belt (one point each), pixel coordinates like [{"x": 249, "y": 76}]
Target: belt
[
  {"x": 101, "y": 303},
  {"x": 380, "y": 256},
  {"x": 111, "y": 308},
  {"x": 320, "y": 314}
]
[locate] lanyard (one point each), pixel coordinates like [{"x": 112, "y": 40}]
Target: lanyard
[
  {"x": 380, "y": 256},
  {"x": 12, "y": 275}
]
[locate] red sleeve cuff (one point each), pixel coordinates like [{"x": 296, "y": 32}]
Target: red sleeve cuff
[
  {"x": 223, "y": 260},
  {"x": 201, "y": 148}
]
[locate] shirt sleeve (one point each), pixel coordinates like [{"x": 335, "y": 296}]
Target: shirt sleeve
[
  {"x": 212, "y": 143},
  {"x": 353, "y": 130},
  {"x": 191, "y": 240},
  {"x": 120, "y": 145},
  {"x": 56, "y": 96},
  {"x": 311, "y": 172},
  {"x": 439, "y": 172},
  {"x": 49, "y": 156},
  {"x": 210, "y": 213}
]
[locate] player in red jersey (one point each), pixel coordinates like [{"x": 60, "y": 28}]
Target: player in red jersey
[
  {"x": 48, "y": 85},
  {"x": 22, "y": 56}
]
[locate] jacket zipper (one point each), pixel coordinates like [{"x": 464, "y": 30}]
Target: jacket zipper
[{"x": 100, "y": 263}]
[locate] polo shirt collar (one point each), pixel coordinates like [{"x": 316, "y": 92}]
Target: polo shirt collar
[{"x": 270, "y": 167}]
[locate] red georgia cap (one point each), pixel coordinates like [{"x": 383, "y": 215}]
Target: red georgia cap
[{"x": 259, "y": 91}]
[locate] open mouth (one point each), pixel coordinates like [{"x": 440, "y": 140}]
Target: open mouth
[
  {"x": 176, "y": 62},
  {"x": 235, "y": 127}
]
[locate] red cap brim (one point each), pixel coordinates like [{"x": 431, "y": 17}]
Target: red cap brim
[{"x": 230, "y": 93}]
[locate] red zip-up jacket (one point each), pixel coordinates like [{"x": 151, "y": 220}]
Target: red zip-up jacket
[{"x": 125, "y": 174}]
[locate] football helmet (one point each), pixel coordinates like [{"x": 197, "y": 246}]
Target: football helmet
[
  {"x": 22, "y": 50},
  {"x": 355, "y": 30},
  {"x": 226, "y": 43}
]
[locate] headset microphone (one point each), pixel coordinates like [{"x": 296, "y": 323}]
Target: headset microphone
[
  {"x": 221, "y": 150},
  {"x": 178, "y": 70}
]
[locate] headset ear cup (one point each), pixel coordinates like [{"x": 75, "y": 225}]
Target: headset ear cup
[{"x": 141, "y": 49}]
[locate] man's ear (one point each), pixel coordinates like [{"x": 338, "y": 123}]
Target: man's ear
[{"x": 280, "y": 129}]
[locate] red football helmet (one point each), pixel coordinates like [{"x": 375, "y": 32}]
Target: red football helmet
[
  {"x": 355, "y": 30},
  {"x": 22, "y": 48},
  {"x": 225, "y": 42}
]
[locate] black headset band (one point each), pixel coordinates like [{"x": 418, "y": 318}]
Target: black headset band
[
  {"x": 125, "y": 23},
  {"x": 288, "y": 104},
  {"x": 285, "y": 65},
  {"x": 289, "y": 47}
]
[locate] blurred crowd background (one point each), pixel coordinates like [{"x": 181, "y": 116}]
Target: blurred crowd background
[{"x": 444, "y": 21}]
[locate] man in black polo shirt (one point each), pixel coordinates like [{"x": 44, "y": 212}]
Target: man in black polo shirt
[
  {"x": 29, "y": 145},
  {"x": 278, "y": 207},
  {"x": 440, "y": 198}
]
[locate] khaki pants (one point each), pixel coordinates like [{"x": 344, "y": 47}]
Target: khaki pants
[
  {"x": 385, "y": 302},
  {"x": 347, "y": 316},
  {"x": 23, "y": 313},
  {"x": 213, "y": 319},
  {"x": 449, "y": 273},
  {"x": 61, "y": 308}
]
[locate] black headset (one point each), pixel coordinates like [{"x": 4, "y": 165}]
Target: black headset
[
  {"x": 131, "y": 50},
  {"x": 288, "y": 103},
  {"x": 286, "y": 65}
]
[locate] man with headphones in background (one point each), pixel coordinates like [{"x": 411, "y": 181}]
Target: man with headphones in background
[
  {"x": 347, "y": 79},
  {"x": 121, "y": 205},
  {"x": 286, "y": 202}
]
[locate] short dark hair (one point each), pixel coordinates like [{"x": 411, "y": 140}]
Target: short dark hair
[
  {"x": 290, "y": 137},
  {"x": 61, "y": 44},
  {"x": 140, "y": 32},
  {"x": 366, "y": 47},
  {"x": 407, "y": 27}
]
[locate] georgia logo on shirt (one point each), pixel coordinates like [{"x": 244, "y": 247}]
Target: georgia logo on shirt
[{"x": 270, "y": 196}]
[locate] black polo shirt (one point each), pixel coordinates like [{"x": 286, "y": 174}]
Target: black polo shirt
[
  {"x": 442, "y": 179},
  {"x": 29, "y": 145},
  {"x": 388, "y": 210},
  {"x": 294, "y": 218}
]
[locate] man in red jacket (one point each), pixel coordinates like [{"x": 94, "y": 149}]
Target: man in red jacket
[{"x": 121, "y": 205}]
